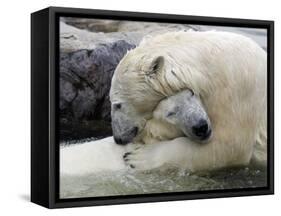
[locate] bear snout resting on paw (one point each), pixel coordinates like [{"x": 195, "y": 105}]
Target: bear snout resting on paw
[{"x": 227, "y": 74}]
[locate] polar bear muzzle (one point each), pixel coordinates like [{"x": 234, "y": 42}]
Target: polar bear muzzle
[
  {"x": 125, "y": 123},
  {"x": 126, "y": 137}
]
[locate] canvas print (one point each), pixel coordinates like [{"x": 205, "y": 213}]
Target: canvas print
[{"x": 149, "y": 108}]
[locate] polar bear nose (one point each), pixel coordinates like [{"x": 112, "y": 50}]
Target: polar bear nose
[
  {"x": 126, "y": 137},
  {"x": 201, "y": 129}
]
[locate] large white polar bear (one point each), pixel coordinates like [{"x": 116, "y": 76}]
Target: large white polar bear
[{"x": 226, "y": 72}]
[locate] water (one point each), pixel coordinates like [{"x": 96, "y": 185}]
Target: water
[{"x": 128, "y": 182}]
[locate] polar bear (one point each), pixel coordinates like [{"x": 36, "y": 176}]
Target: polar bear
[{"x": 226, "y": 71}]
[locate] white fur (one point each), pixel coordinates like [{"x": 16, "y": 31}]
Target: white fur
[
  {"x": 228, "y": 72},
  {"x": 94, "y": 156}
]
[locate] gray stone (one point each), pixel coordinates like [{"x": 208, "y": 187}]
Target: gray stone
[
  {"x": 85, "y": 78},
  {"x": 73, "y": 39}
]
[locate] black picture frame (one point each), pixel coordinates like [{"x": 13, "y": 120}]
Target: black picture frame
[{"x": 44, "y": 106}]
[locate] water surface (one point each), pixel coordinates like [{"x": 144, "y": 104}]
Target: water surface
[{"x": 128, "y": 182}]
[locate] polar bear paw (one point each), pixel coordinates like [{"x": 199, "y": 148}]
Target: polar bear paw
[{"x": 141, "y": 157}]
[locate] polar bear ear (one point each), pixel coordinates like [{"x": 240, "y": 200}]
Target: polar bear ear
[{"x": 156, "y": 66}]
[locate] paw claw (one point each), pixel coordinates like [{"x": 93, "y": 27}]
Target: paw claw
[
  {"x": 126, "y": 154},
  {"x": 136, "y": 158},
  {"x": 126, "y": 158}
]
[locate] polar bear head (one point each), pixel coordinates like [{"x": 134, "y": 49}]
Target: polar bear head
[
  {"x": 128, "y": 113},
  {"x": 186, "y": 112}
]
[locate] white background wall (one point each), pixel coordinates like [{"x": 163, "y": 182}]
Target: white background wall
[{"x": 15, "y": 106}]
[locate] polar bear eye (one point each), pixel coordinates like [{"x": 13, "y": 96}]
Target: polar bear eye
[{"x": 171, "y": 114}]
